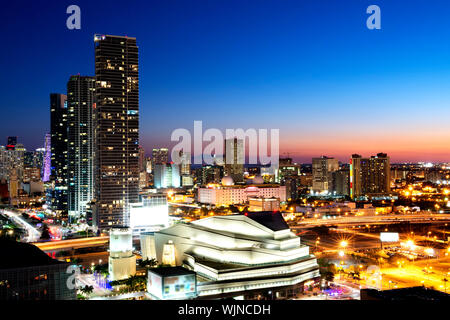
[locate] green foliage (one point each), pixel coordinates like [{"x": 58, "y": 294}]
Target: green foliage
[
  {"x": 148, "y": 263},
  {"x": 102, "y": 269}
]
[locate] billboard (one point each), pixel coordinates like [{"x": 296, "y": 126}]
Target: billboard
[
  {"x": 389, "y": 237},
  {"x": 179, "y": 287}
]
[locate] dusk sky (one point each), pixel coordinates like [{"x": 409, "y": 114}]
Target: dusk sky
[{"x": 310, "y": 68}]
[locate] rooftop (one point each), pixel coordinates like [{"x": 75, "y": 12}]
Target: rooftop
[
  {"x": 171, "y": 271},
  {"x": 21, "y": 255},
  {"x": 269, "y": 219}
]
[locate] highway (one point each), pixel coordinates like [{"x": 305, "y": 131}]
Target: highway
[
  {"x": 72, "y": 243},
  {"x": 380, "y": 219},
  {"x": 33, "y": 233}
]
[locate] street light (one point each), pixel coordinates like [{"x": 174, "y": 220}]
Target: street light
[{"x": 343, "y": 244}]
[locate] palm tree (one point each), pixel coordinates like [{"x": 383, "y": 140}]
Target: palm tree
[{"x": 445, "y": 280}]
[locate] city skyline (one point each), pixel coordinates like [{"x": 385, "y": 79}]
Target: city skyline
[{"x": 375, "y": 91}]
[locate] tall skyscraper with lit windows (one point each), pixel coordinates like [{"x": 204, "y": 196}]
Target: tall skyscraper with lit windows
[
  {"x": 370, "y": 176},
  {"x": 80, "y": 106},
  {"x": 117, "y": 129},
  {"x": 322, "y": 169},
  {"x": 58, "y": 136}
]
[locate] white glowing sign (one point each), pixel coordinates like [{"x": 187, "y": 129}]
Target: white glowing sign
[{"x": 389, "y": 237}]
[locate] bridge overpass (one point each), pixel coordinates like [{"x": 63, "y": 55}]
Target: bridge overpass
[
  {"x": 71, "y": 244},
  {"x": 372, "y": 220}
]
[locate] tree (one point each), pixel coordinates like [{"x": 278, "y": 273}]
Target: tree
[
  {"x": 102, "y": 269},
  {"x": 87, "y": 290},
  {"x": 148, "y": 263},
  {"x": 445, "y": 280}
]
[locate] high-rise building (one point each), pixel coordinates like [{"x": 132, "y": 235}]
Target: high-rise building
[
  {"x": 160, "y": 156},
  {"x": 117, "y": 129},
  {"x": 185, "y": 169},
  {"x": 211, "y": 174},
  {"x": 341, "y": 182},
  {"x": 369, "y": 176},
  {"x": 234, "y": 159},
  {"x": 47, "y": 159},
  {"x": 58, "y": 132},
  {"x": 287, "y": 168},
  {"x": 11, "y": 143},
  {"x": 142, "y": 160},
  {"x": 185, "y": 165},
  {"x": 321, "y": 173},
  {"x": 80, "y": 106},
  {"x": 167, "y": 175}
]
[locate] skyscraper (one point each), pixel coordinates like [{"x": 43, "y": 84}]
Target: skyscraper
[
  {"x": 11, "y": 143},
  {"x": 166, "y": 175},
  {"x": 117, "y": 129},
  {"x": 322, "y": 169},
  {"x": 160, "y": 156},
  {"x": 369, "y": 176},
  {"x": 234, "y": 159},
  {"x": 58, "y": 132},
  {"x": 80, "y": 105},
  {"x": 46, "y": 167}
]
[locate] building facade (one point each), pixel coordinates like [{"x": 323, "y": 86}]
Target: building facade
[
  {"x": 80, "y": 106},
  {"x": 117, "y": 129},
  {"x": 235, "y": 159},
  {"x": 239, "y": 194},
  {"x": 369, "y": 176},
  {"x": 59, "y": 151},
  {"x": 239, "y": 254},
  {"x": 322, "y": 169}
]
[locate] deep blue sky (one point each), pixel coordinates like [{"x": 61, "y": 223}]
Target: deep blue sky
[{"x": 308, "y": 67}]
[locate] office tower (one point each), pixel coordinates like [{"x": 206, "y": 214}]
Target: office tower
[
  {"x": 142, "y": 160},
  {"x": 13, "y": 184},
  {"x": 11, "y": 143},
  {"x": 39, "y": 158},
  {"x": 185, "y": 169},
  {"x": 321, "y": 173},
  {"x": 160, "y": 156},
  {"x": 148, "y": 165},
  {"x": 80, "y": 106},
  {"x": 117, "y": 129},
  {"x": 211, "y": 174},
  {"x": 29, "y": 159},
  {"x": 287, "y": 168},
  {"x": 185, "y": 163},
  {"x": 46, "y": 170},
  {"x": 58, "y": 132},
  {"x": 166, "y": 175},
  {"x": 234, "y": 159},
  {"x": 341, "y": 182},
  {"x": 369, "y": 176}
]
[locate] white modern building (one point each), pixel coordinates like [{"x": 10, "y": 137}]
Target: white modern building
[
  {"x": 240, "y": 254},
  {"x": 227, "y": 193},
  {"x": 166, "y": 175},
  {"x": 147, "y": 240},
  {"x": 150, "y": 214},
  {"x": 122, "y": 261}
]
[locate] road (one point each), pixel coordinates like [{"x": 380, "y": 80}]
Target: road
[
  {"x": 379, "y": 219},
  {"x": 72, "y": 243},
  {"x": 33, "y": 233},
  {"x": 413, "y": 274}
]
